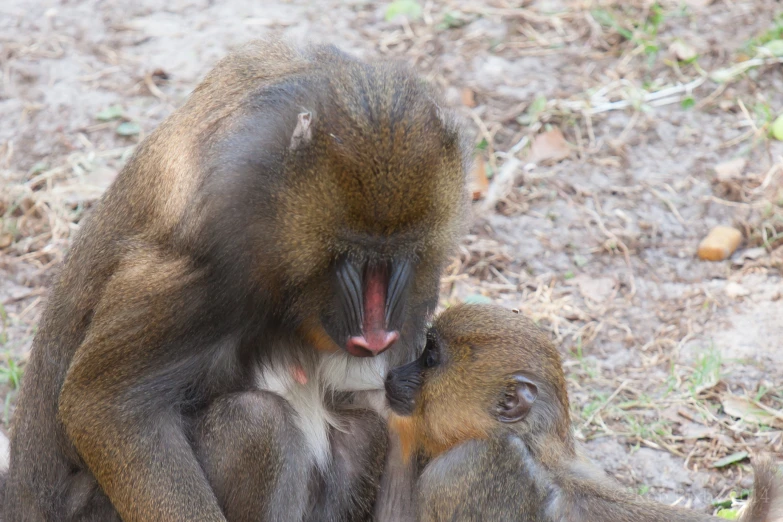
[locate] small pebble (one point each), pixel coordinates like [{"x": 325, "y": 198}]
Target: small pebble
[{"x": 719, "y": 244}]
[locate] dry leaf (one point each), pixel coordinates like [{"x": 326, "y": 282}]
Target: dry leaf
[
  {"x": 670, "y": 414},
  {"x": 751, "y": 411},
  {"x": 479, "y": 183},
  {"x": 735, "y": 290},
  {"x": 6, "y": 239},
  {"x": 468, "y": 98},
  {"x": 697, "y": 3},
  {"x": 597, "y": 289},
  {"x": 754, "y": 253},
  {"x": 694, "y": 431},
  {"x": 682, "y": 51},
  {"x": 731, "y": 169},
  {"x": 549, "y": 146}
]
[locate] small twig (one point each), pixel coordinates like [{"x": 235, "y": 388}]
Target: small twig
[
  {"x": 509, "y": 13},
  {"x": 671, "y": 206},
  {"x": 747, "y": 114},
  {"x": 714, "y": 95},
  {"x": 487, "y": 136},
  {"x": 154, "y": 90},
  {"x": 48, "y": 174},
  {"x": 739, "y": 139},
  {"x": 609, "y": 234},
  {"x": 666, "y": 93},
  {"x": 690, "y": 454},
  {"x": 502, "y": 183},
  {"x": 602, "y": 406},
  {"x": 631, "y": 124},
  {"x": 590, "y": 131},
  {"x": 758, "y": 204},
  {"x": 518, "y": 146},
  {"x": 34, "y": 293},
  {"x": 730, "y": 73},
  {"x": 773, "y": 412},
  {"x": 29, "y": 307},
  {"x": 773, "y": 170}
]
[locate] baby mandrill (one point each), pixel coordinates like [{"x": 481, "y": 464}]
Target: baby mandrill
[{"x": 485, "y": 408}]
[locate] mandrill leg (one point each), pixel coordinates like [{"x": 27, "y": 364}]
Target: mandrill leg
[{"x": 253, "y": 457}]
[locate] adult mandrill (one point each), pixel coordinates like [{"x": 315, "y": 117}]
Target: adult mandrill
[{"x": 212, "y": 344}]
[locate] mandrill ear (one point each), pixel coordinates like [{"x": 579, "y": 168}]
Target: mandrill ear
[
  {"x": 517, "y": 399},
  {"x": 302, "y": 133}
]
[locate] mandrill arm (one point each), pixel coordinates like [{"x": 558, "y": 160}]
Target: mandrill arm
[{"x": 121, "y": 397}]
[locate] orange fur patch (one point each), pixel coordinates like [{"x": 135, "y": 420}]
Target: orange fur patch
[
  {"x": 315, "y": 335},
  {"x": 405, "y": 429},
  {"x": 434, "y": 447}
]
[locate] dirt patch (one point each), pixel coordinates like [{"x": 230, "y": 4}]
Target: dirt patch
[{"x": 599, "y": 247}]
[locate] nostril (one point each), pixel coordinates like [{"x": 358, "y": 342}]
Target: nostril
[
  {"x": 373, "y": 344},
  {"x": 357, "y": 347},
  {"x": 388, "y": 339}
]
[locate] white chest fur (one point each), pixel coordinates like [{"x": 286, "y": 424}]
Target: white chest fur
[{"x": 305, "y": 384}]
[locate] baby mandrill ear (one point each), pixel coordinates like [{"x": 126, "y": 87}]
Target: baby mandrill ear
[
  {"x": 302, "y": 133},
  {"x": 517, "y": 399}
]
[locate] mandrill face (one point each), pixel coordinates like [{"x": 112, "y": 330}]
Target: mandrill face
[
  {"x": 375, "y": 203},
  {"x": 348, "y": 242}
]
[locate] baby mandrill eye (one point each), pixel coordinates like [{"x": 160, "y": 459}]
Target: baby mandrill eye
[
  {"x": 432, "y": 359},
  {"x": 431, "y": 353}
]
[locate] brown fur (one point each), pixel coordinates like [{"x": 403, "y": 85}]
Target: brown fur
[
  {"x": 482, "y": 469},
  {"x": 215, "y": 244}
]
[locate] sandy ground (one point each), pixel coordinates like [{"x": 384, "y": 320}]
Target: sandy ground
[{"x": 673, "y": 362}]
